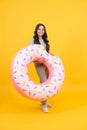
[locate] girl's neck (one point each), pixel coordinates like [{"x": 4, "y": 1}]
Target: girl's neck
[{"x": 39, "y": 37}]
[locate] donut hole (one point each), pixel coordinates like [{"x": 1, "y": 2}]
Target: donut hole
[
  {"x": 33, "y": 75},
  {"x": 32, "y": 72}
]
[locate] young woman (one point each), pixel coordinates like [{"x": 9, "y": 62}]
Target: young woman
[{"x": 40, "y": 37}]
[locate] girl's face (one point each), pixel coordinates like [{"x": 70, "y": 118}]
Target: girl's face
[{"x": 40, "y": 31}]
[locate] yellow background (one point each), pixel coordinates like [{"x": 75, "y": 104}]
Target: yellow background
[{"x": 66, "y": 24}]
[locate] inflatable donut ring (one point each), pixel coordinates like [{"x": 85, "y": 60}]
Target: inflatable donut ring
[{"x": 22, "y": 81}]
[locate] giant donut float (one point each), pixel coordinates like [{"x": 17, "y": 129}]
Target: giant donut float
[{"x": 22, "y": 81}]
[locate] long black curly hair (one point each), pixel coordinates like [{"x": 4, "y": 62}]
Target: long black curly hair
[{"x": 36, "y": 38}]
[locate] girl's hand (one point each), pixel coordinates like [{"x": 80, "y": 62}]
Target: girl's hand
[
  {"x": 40, "y": 61},
  {"x": 51, "y": 54}
]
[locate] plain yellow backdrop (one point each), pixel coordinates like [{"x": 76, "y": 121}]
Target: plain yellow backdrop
[{"x": 66, "y": 24}]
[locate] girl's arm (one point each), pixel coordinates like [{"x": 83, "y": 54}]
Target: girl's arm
[
  {"x": 32, "y": 41},
  {"x": 51, "y": 54}
]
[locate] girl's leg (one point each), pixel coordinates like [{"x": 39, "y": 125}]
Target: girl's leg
[
  {"x": 41, "y": 72},
  {"x": 40, "y": 68},
  {"x": 45, "y": 103}
]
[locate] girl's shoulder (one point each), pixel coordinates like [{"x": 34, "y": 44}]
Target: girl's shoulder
[{"x": 32, "y": 41}]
